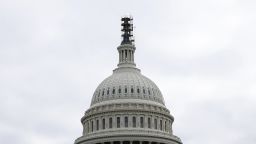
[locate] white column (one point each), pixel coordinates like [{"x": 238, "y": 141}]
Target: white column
[
  {"x": 84, "y": 128},
  {"x": 129, "y": 121},
  {"x": 114, "y": 122},
  {"x": 119, "y": 56},
  {"x": 100, "y": 123},
  {"x": 133, "y": 56},
  {"x": 121, "y": 122},
  {"x": 123, "y": 55},
  {"x": 128, "y": 55}
]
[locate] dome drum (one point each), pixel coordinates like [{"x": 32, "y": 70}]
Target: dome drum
[{"x": 127, "y": 119}]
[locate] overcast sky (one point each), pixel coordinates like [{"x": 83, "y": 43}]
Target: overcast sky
[{"x": 200, "y": 53}]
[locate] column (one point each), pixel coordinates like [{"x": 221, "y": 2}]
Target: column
[
  {"x": 84, "y": 128},
  {"x": 114, "y": 122},
  {"x": 129, "y": 56},
  {"x": 121, "y": 122},
  {"x": 119, "y": 56},
  {"x": 146, "y": 121},
  {"x": 123, "y": 56},
  {"x": 100, "y": 123},
  {"x": 133, "y": 56},
  {"x": 94, "y": 125},
  {"x": 137, "y": 121},
  {"x": 129, "y": 121}
]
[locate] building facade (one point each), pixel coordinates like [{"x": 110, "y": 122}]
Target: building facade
[{"x": 127, "y": 107}]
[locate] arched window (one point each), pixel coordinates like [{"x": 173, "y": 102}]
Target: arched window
[
  {"x": 134, "y": 121},
  {"x": 126, "y": 121},
  {"x": 149, "y": 122},
  {"x": 155, "y": 123},
  {"x": 97, "y": 124},
  {"x": 110, "y": 122},
  {"x": 125, "y": 90},
  {"x": 118, "y": 122},
  {"x": 103, "y": 124},
  {"x": 142, "y": 122}
]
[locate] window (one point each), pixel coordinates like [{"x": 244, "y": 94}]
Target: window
[
  {"x": 125, "y": 90},
  {"x": 92, "y": 126},
  {"x": 144, "y": 91},
  {"x": 119, "y": 90},
  {"x": 141, "y": 122},
  {"x": 97, "y": 124},
  {"x": 131, "y": 90},
  {"x": 155, "y": 123},
  {"x": 149, "y": 123},
  {"x": 113, "y": 91},
  {"x": 161, "y": 125},
  {"x": 118, "y": 122},
  {"x": 165, "y": 126},
  {"x": 149, "y": 92},
  {"x": 133, "y": 121},
  {"x": 126, "y": 121},
  {"x": 103, "y": 124},
  {"x": 110, "y": 122},
  {"x": 102, "y": 92},
  {"x": 108, "y": 92},
  {"x": 125, "y": 54},
  {"x": 138, "y": 90}
]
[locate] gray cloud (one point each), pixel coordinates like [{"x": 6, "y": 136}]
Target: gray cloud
[{"x": 201, "y": 54}]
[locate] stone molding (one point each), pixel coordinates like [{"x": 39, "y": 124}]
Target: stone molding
[
  {"x": 131, "y": 135},
  {"x": 119, "y": 107}
]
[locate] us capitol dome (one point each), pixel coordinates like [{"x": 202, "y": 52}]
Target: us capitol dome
[{"x": 127, "y": 107}]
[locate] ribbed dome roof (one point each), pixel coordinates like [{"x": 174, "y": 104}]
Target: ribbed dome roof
[
  {"x": 127, "y": 107},
  {"x": 127, "y": 83}
]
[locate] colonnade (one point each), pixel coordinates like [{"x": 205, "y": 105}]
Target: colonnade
[
  {"x": 126, "y": 56},
  {"x": 144, "y": 121},
  {"x": 130, "y": 142}
]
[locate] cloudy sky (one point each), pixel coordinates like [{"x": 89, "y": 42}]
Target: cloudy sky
[{"x": 201, "y": 54}]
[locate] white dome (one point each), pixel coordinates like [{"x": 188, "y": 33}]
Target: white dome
[
  {"x": 127, "y": 107},
  {"x": 127, "y": 83}
]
